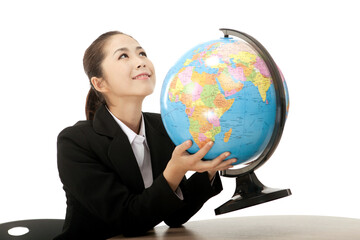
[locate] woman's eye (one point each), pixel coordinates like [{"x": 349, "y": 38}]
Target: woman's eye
[
  {"x": 143, "y": 54},
  {"x": 122, "y": 56}
]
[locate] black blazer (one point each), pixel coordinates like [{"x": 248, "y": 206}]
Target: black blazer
[{"x": 104, "y": 187}]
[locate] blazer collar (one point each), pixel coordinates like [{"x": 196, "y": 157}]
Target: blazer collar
[{"x": 104, "y": 123}]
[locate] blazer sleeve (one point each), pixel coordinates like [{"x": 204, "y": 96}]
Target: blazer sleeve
[
  {"x": 197, "y": 190},
  {"x": 100, "y": 190}
]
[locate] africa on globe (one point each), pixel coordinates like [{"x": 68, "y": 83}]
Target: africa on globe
[{"x": 221, "y": 91}]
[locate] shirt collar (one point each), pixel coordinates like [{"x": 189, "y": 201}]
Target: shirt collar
[{"x": 130, "y": 133}]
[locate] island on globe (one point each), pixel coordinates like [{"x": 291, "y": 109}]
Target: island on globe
[{"x": 221, "y": 91}]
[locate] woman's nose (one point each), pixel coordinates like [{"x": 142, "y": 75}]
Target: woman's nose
[{"x": 141, "y": 65}]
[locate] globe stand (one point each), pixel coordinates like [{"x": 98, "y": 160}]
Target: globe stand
[{"x": 249, "y": 192}]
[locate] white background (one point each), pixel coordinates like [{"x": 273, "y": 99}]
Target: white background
[{"x": 43, "y": 90}]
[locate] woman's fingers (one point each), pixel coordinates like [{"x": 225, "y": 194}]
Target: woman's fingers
[
  {"x": 218, "y": 163},
  {"x": 194, "y": 162},
  {"x": 183, "y": 147},
  {"x": 226, "y": 164},
  {"x": 203, "y": 151}
]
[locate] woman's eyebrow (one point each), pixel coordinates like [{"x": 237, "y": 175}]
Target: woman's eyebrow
[{"x": 125, "y": 49}]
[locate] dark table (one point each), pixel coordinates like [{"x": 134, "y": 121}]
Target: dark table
[{"x": 261, "y": 228}]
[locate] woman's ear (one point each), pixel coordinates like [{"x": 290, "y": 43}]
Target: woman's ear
[{"x": 98, "y": 84}]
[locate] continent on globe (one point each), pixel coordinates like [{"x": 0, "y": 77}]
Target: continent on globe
[{"x": 200, "y": 92}]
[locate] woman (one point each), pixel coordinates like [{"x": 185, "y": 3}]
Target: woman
[{"x": 121, "y": 172}]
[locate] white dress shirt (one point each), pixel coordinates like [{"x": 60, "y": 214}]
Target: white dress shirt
[{"x": 142, "y": 152}]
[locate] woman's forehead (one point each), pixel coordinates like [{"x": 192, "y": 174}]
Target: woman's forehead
[{"x": 119, "y": 41}]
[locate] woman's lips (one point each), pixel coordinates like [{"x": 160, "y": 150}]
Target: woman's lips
[{"x": 142, "y": 76}]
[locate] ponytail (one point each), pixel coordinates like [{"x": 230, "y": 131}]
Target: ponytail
[
  {"x": 93, "y": 58},
  {"x": 93, "y": 101}
]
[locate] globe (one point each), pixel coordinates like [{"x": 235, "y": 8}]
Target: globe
[
  {"x": 231, "y": 92},
  {"x": 222, "y": 91}
]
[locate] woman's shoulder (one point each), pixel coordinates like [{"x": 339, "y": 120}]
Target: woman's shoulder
[
  {"x": 153, "y": 116},
  {"x": 154, "y": 119},
  {"x": 76, "y": 130}
]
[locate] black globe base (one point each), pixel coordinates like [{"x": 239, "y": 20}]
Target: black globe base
[{"x": 249, "y": 192}]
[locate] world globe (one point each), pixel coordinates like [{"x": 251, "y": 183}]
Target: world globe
[
  {"x": 222, "y": 91},
  {"x": 229, "y": 91}
]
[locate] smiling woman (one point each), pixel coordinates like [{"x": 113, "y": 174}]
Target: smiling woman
[
  {"x": 124, "y": 60},
  {"x": 120, "y": 171}
]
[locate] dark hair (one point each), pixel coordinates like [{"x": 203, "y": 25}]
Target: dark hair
[{"x": 93, "y": 57}]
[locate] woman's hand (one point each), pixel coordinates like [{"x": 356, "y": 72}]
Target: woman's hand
[{"x": 181, "y": 162}]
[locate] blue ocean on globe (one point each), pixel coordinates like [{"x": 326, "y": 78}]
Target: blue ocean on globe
[{"x": 221, "y": 91}]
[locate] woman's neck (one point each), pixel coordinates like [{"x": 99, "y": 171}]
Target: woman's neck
[{"x": 128, "y": 112}]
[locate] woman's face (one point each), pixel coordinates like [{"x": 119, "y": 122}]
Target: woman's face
[{"x": 127, "y": 72}]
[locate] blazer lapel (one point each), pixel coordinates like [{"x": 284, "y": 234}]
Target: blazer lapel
[
  {"x": 161, "y": 147},
  {"x": 123, "y": 158},
  {"x": 120, "y": 152}
]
